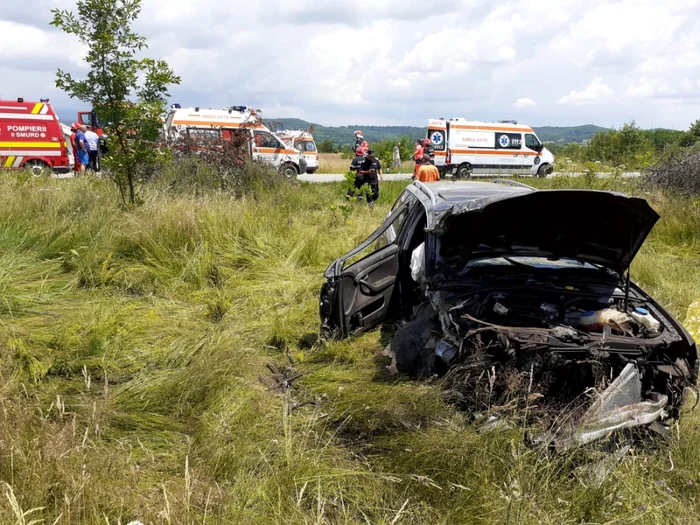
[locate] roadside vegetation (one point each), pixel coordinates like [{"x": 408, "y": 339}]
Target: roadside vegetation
[{"x": 161, "y": 363}]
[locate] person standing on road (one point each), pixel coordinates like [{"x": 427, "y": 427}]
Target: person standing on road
[
  {"x": 396, "y": 164},
  {"x": 74, "y": 147},
  {"x": 371, "y": 170},
  {"x": 427, "y": 172},
  {"x": 82, "y": 147},
  {"x": 93, "y": 149},
  {"x": 417, "y": 156}
]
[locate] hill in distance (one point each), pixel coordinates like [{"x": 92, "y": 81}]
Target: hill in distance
[{"x": 344, "y": 135}]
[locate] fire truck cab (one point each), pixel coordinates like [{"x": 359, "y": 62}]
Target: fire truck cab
[{"x": 31, "y": 137}]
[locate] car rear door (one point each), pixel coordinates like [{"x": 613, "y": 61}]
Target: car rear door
[{"x": 360, "y": 286}]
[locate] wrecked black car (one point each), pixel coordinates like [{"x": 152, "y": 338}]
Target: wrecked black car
[{"x": 515, "y": 294}]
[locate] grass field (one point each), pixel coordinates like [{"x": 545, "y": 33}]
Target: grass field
[{"x": 145, "y": 362}]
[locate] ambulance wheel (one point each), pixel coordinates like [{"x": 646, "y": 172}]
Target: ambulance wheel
[
  {"x": 544, "y": 170},
  {"x": 464, "y": 171},
  {"x": 288, "y": 170},
  {"x": 38, "y": 168}
]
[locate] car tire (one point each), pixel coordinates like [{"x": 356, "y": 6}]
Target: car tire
[
  {"x": 288, "y": 170},
  {"x": 464, "y": 171},
  {"x": 38, "y": 168},
  {"x": 544, "y": 170}
]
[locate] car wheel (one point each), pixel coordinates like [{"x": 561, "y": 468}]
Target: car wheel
[
  {"x": 544, "y": 170},
  {"x": 38, "y": 168},
  {"x": 464, "y": 171},
  {"x": 288, "y": 170}
]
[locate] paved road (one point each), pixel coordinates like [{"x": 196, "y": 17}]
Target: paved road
[{"x": 337, "y": 177}]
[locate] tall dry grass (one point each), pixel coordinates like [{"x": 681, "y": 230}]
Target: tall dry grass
[{"x": 134, "y": 353}]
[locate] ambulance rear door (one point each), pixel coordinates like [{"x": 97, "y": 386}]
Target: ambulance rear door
[{"x": 437, "y": 134}]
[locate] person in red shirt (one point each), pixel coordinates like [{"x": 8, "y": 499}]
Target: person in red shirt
[
  {"x": 74, "y": 147},
  {"x": 417, "y": 156}
]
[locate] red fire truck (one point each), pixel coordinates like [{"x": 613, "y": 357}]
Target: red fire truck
[{"x": 31, "y": 137}]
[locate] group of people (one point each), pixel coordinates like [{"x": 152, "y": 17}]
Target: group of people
[
  {"x": 424, "y": 157},
  {"x": 88, "y": 148},
  {"x": 368, "y": 169}
]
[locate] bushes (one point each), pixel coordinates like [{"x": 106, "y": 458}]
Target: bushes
[{"x": 677, "y": 172}]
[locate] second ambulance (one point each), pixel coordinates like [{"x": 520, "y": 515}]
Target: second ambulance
[
  {"x": 304, "y": 142},
  {"x": 222, "y": 124},
  {"x": 465, "y": 147}
]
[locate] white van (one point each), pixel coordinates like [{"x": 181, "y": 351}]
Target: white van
[
  {"x": 465, "y": 147},
  {"x": 222, "y": 124},
  {"x": 304, "y": 142}
]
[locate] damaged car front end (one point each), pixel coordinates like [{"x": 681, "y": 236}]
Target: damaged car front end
[{"x": 529, "y": 304}]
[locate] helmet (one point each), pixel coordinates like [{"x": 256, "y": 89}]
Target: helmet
[
  {"x": 358, "y": 132},
  {"x": 74, "y": 126},
  {"x": 361, "y": 151}
]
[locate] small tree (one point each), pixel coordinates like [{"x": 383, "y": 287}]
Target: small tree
[{"x": 127, "y": 93}]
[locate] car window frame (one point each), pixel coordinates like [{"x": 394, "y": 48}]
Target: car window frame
[{"x": 339, "y": 265}]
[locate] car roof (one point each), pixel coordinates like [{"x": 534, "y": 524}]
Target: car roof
[{"x": 438, "y": 197}]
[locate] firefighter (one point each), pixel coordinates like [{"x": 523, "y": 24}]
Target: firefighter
[
  {"x": 429, "y": 150},
  {"x": 359, "y": 140},
  {"x": 371, "y": 170},
  {"x": 355, "y": 166}
]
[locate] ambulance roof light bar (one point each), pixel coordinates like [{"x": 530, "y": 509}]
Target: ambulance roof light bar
[
  {"x": 176, "y": 106},
  {"x": 44, "y": 100}
]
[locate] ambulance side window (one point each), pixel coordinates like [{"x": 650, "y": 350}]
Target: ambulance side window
[
  {"x": 531, "y": 142},
  {"x": 263, "y": 139},
  {"x": 203, "y": 134}
]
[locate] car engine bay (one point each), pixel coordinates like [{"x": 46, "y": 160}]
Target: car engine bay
[{"x": 583, "y": 359}]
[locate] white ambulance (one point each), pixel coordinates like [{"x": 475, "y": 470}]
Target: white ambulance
[
  {"x": 303, "y": 141},
  {"x": 464, "y": 147},
  {"x": 239, "y": 122}
]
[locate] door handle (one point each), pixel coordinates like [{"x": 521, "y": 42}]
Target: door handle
[{"x": 378, "y": 287}]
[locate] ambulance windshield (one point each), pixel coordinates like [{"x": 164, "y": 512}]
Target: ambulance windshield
[{"x": 305, "y": 145}]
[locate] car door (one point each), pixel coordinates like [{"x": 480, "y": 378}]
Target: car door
[{"x": 359, "y": 291}]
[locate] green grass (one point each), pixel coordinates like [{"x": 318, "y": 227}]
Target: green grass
[{"x": 134, "y": 345}]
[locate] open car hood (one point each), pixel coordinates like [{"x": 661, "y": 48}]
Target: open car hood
[{"x": 592, "y": 226}]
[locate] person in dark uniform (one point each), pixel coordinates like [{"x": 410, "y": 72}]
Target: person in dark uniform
[
  {"x": 355, "y": 165},
  {"x": 371, "y": 170}
]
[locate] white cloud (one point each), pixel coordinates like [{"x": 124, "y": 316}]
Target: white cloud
[
  {"x": 522, "y": 103},
  {"x": 398, "y": 61},
  {"x": 595, "y": 92}
]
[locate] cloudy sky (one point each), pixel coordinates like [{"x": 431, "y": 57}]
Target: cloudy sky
[{"x": 545, "y": 62}]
